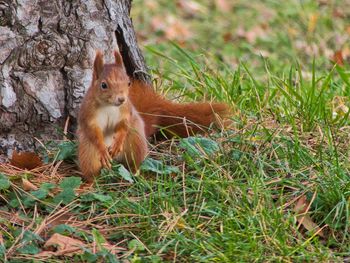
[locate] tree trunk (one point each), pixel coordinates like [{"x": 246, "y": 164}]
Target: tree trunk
[{"x": 46, "y": 54}]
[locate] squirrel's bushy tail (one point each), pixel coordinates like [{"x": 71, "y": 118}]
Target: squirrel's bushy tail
[{"x": 182, "y": 119}]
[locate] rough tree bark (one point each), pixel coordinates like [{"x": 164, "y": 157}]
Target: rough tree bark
[{"x": 46, "y": 54}]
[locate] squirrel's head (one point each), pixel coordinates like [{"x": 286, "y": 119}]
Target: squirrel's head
[{"x": 110, "y": 83}]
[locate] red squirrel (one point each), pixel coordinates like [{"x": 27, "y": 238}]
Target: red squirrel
[
  {"x": 109, "y": 125},
  {"x": 117, "y": 114}
]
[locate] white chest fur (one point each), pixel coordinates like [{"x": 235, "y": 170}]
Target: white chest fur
[{"x": 107, "y": 118}]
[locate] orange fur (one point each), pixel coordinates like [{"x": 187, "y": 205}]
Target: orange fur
[
  {"x": 108, "y": 131},
  {"x": 177, "y": 119},
  {"x": 109, "y": 126}
]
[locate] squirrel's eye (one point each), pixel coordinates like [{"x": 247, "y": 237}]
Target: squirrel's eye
[
  {"x": 129, "y": 83},
  {"x": 104, "y": 85}
]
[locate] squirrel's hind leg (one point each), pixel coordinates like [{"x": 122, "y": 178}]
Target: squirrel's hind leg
[
  {"x": 89, "y": 160},
  {"x": 135, "y": 150}
]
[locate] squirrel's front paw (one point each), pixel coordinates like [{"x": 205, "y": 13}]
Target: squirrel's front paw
[
  {"x": 116, "y": 148},
  {"x": 106, "y": 159}
]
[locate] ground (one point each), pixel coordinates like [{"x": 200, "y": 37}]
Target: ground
[{"x": 272, "y": 186}]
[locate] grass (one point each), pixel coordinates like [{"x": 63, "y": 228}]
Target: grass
[{"x": 275, "y": 186}]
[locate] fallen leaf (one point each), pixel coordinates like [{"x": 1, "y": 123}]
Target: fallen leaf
[
  {"x": 45, "y": 254},
  {"x": 190, "y": 7},
  {"x": 301, "y": 209},
  {"x": 342, "y": 56},
  {"x": 151, "y": 5},
  {"x": 338, "y": 58},
  {"x": 311, "y": 49},
  {"x": 227, "y": 37},
  {"x": 177, "y": 31},
  {"x": 158, "y": 23},
  {"x": 251, "y": 35},
  {"x": 172, "y": 28},
  {"x": 28, "y": 186},
  {"x": 26, "y": 160},
  {"x": 65, "y": 245},
  {"x": 223, "y": 5},
  {"x": 338, "y": 13}
]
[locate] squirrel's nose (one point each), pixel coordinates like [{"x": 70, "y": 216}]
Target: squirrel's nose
[{"x": 119, "y": 101}]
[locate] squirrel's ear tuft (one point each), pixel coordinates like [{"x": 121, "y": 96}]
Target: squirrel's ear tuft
[
  {"x": 118, "y": 58},
  {"x": 98, "y": 65}
]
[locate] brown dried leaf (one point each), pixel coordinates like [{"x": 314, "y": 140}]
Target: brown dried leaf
[
  {"x": 172, "y": 28},
  {"x": 151, "y": 5},
  {"x": 28, "y": 186},
  {"x": 223, "y": 5},
  {"x": 338, "y": 13},
  {"x": 190, "y": 7},
  {"x": 301, "y": 208},
  {"x": 177, "y": 31},
  {"x": 227, "y": 37},
  {"x": 338, "y": 58},
  {"x": 257, "y": 32},
  {"x": 158, "y": 23},
  {"x": 65, "y": 245},
  {"x": 45, "y": 254},
  {"x": 26, "y": 160},
  {"x": 309, "y": 224}
]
